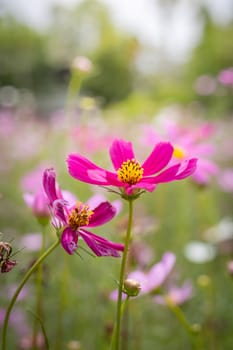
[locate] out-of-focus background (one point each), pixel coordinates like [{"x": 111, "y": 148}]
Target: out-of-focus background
[{"x": 160, "y": 70}]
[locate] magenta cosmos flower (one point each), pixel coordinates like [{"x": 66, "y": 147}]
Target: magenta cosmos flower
[
  {"x": 74, "y": 220},
  {"x": 129, "y": 175}
]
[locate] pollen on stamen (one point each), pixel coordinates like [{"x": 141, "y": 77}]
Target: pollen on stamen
[
  {"x": 130, "y": 172},
  {"x": 79, "y": 216},
  {"x": 178, "y": 152}
]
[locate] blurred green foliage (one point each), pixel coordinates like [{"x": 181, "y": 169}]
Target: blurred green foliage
[{"x": 41, "y": 62}]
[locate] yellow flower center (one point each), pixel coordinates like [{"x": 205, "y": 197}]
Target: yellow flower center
[
  {"x": 130, "y": 172},
  {"x": 178, "y": 152},
  {"x": 79, "y": 216}
]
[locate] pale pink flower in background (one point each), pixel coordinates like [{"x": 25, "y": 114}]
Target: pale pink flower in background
[
  {"x": 176, "y": 295},
  {"x": 82, "y": 64},
  {"x": 225, "y": 180},
  {"x": 31, "y": 241},
  {"x": 90, "y": 139},
  {"x": 188, "y": 142},
  {"x": 205, "y": 85},
  {"x": 154, "y": 278},
  {"x": 7, "y": 124},
  {"x": 24, "y": 293},
  {"x": 34, "y": 196},
  {"x": 17, "y": 321},
  {"x": 141, "y": 253},
  {"x": 225, "y": 77}
]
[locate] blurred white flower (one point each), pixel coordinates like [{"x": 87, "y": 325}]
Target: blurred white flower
[{"x": 199, "y": 252}]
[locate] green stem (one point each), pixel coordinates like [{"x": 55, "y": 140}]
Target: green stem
[
  {"x": 18, "y": 290},
  {"x": 116, "y": 334},
  {"x": 39, "y": 282},
  {"x": 192, "y": 330}
]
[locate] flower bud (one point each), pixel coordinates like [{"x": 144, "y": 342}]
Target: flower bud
[{"x": 131, "y": 287}]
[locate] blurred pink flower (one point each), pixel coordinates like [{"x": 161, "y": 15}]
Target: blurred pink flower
[
  {"x": 225, "y": 180},
  {"x": 17, "y": 321},
  {"x": 34, "y": 195},
  {"x": 176, "y": 295},
  {"x": 188, "y": 142},
  {"x": 205, "y": 85},
  {"x": 154, "y": 278},
  {"x": 74, "y": 219},
  {"x": 31, "y": 241},
  {"x": 91, "y": 139},
  {"x": 226, "y": 77}
]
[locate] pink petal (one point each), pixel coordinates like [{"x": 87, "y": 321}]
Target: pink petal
[
  {"x": 49, "y": 184},
  {"x": 121, "y": 151},
  {"x": 165, "y": 176},
  {"x": 158, "y": 159},
  {"x": 143, "y": 184},
  {"x": 69, "y": 240},
  {"x": 82, "y": 169},
  {"x": 103, "y": 213},
  {"x": 186, "y": 169},
  {"x": 160, "y": 271},
  {"x": 101, "y": 246}
]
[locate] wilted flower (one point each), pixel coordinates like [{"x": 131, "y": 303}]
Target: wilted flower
[
  {"x": 130, "y": 176},
  {"x": 73, "y": 220},
  {"x": 6, "y": 263}
]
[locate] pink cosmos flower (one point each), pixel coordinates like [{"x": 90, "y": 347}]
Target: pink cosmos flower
[
  {"x": 74, "y": 219},
  {"x": 187, "y": 142},
  {"x": 226, "y": 77},
  {"x": 154, "y": 278},
  {"x": 226, "y": 180},
  {"x": 34, "y": 195},
  {"x": 130, "y": 176},
  {"x": 176, "y": 295}
]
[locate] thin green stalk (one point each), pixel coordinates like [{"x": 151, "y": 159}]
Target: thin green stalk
[
  {"x": 18, "y": 290},
  {"x": 192, "y": 330},
  {"x": 39, "y": 282},
  {"x": 116, "y": 334}
]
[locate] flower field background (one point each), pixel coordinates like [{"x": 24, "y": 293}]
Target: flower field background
[{"x": 63, "y": 105}]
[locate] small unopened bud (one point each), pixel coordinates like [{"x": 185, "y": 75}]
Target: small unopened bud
[
  {"x": 131, "y": 287},
  {"x": 7, "y": 265},
  {"x": 82, "y": 64},
  {"x": 230, "y": 267}
]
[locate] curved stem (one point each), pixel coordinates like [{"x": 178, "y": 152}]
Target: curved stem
[
  {"x": 39, "y": 282},
  {"x": 116, "y": 335},
  {"x": 18, "y": 290},
  {"x": 192, "y": 330}
]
